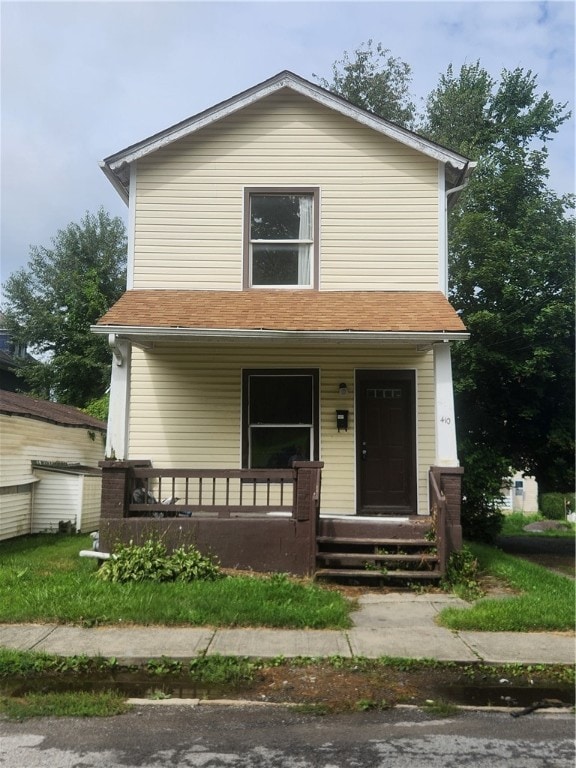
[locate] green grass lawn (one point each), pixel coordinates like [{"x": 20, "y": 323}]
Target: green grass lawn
[
  {"x": 546, "y": 600},
  {"x": 42, "y": 578}
]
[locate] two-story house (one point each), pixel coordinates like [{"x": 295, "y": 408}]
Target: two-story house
[{"x": 286, "y": 300}]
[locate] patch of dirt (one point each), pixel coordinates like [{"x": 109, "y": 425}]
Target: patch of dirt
[
  {"x": 343, "y": 686},
  {"x": 337, "y": 689},
  {"x": 491, "y": 586}
]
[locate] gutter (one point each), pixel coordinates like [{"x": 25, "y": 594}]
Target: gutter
[
  {"x": 146, "y": 334},
  {"x": 456, "y": 190}
]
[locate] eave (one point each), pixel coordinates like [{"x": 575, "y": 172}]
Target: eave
[
  {"x": 148, "y": 337},
  {"x": 117, "y": 166}
]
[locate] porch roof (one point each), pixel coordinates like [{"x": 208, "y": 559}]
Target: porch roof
[{"x": 409, "y": 315}]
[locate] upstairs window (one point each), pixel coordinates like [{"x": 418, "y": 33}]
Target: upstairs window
[{"x": 281, "y": 240}]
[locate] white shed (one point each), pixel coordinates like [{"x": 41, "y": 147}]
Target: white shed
[{"x": 66, "y": 494}]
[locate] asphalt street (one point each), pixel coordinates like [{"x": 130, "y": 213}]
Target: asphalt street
[{"x": 155, "y": 736}]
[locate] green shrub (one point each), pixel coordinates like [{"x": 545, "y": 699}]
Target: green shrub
[
  {"x": 189, "y": 564},
  {"x": 151, "y": 562},
  {"x": 462, "y": 572},
  {"x": 483, "y": 472},
  {"x": 554, "y": 506},
  {"x": 481, "y": 520}
]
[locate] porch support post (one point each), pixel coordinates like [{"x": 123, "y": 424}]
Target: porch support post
[
  {"x": 307, "y": 505},
  {"x": 117, "y": 435},
  {"x": 446, "y": 449},
  {"x": 449, "y": 480}
]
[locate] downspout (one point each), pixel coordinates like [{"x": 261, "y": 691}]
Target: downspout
[
  {"x": 457, "y": 189},
  {"x": 466, "y": 178},
  {"x": 445, "y": 417}
]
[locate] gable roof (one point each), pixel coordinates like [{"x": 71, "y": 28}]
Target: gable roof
[
  {"x": 14, "y": 404},
  {"x": 117, "y": 166},
  {"x": 270, "y": 314}
]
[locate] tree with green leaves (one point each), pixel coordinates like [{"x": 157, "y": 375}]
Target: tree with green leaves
[
  {"x": 512, "y": 280},
  {"x": 472, "y": 113},
  {"x": 51, "y": 304},
  {"x": 376, "y": 81},
  {"x": 512, "y": 277}
]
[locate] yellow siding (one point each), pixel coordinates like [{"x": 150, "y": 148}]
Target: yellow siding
[
  {"x": 379, "y": 200},
  {"x": 15, "y": 512},
  {"x": 25, "y": 440},
  {"x": 89, "y": 516},
  {"x": 185, "y": 407}
]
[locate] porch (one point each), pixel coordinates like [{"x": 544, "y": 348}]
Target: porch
[{"x": 270, "y": 520}]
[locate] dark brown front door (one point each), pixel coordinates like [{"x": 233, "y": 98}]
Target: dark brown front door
[{"x": 386, "y": 442}]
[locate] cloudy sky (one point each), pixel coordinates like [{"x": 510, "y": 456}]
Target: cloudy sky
[{"x": 82, "y": 80}]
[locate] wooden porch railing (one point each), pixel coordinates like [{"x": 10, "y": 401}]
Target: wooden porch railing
[
  {"x": 439, "y": 513},
  {"x": 220, "y": 492},
  {"x": 223, "y": 512}
]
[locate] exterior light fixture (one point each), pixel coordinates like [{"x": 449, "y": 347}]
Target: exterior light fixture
[{"x": 342, "y": 389}]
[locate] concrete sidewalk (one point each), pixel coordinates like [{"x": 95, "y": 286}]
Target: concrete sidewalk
[{"x": 397, "y": 625}]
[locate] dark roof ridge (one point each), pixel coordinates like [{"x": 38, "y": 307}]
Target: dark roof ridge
[{"x": 16, "y": 404}]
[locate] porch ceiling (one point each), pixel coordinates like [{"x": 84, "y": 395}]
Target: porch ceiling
[{"x": 417, "y": 316}]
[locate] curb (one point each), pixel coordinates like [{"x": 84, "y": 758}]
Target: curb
[{"x": 194, "y": 703}]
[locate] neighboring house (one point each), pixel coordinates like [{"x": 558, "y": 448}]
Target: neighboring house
[
  {"x": 12, "y": 355},
  {"x": 286, "y": 299},
  {"x": 519, "y": 493},
  {"x": 49, "y": 466}
]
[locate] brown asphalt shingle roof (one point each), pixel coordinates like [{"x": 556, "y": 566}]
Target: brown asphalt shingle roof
[
  {"x": 15, "y": 404},
  {"x": 286, "y": 310}
]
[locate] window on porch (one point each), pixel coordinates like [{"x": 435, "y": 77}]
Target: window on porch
[{"x": 279, "y": 418}]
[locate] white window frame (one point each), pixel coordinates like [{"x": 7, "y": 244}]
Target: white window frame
[
  {"x": 314, "y": 193},
  {"x": 247, "y": 425}
]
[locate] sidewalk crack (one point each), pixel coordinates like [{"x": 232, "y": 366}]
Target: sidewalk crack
[
  {"x": 210, "y": 642},
  {"x": 44, "y": 637},
  {"x": 349, "y": 644},
  {"x": 470, "y": 647}
]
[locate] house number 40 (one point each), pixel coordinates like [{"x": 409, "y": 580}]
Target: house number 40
[{"x": 445, "y": 419}]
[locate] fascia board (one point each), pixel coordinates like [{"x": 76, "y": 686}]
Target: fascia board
[
  {"x": 380, "y": 125},
  {"x": 316, "y": 93},
  {"x": 115, "y": 181},
  {"x": 235, "y": 334}
]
